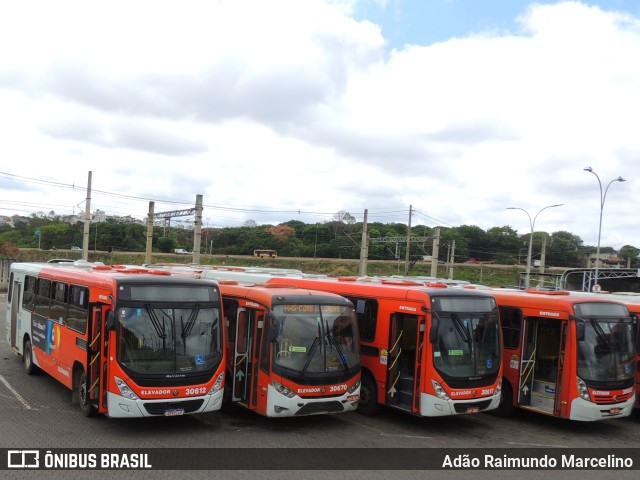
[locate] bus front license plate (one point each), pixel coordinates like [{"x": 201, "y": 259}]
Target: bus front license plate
[
  {"x": 175, "y": 412},
  {"x": 615, "y": 411},
  {"x": 473, "y": 409}
]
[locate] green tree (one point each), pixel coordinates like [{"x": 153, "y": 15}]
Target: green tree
[
  {"x": 630, "y": 254},
  {"x": 166, "y": 244},
  {"x": 564, "y": 250}
]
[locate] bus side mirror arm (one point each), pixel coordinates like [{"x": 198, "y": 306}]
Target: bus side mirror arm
[
  {"x": 110, "y": 324},
  {"x": 433, "y": 331},
  {"x": 580, "y": 330}
]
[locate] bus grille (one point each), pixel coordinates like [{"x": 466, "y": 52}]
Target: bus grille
[
  {"x": 189, "y": 406},
  {"x": 465, "y": 406},
  {"x": 609, "y": 399},
  {"x": 320, "y": 407}
]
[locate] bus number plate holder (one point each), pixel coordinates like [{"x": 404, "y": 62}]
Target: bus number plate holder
[{"x": 175, "y": 412}]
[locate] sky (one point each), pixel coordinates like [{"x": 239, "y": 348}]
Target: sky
[{"x": 297, "y": 109}]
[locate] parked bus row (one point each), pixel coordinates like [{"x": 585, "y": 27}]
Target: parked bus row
[
  {"x": 170, "y": 340},
  {"x": 566, "y": 356},
  {"x": 134, "y": 342}
]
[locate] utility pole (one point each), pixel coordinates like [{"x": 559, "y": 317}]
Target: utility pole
[
  {"x": 87, "y": 222},
  {"x": 450, "y": 260},
  {"x": 542, "y": 260},
  {"x": 147, "y": 257},
  {"x": 197, "y": 230},
  {"x": 434, "y": 254},
  {"x": 407, "y": 257},
  {"x": 364, "y": 247}
]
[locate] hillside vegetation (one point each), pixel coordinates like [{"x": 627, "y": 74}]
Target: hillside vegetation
[{"x": 485, "y": 274}]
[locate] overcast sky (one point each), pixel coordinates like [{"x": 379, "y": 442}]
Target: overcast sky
[{"x": 296, "y": 109}]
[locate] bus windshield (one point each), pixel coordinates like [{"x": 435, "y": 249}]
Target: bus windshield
[
  {"x": 468, "y": 340},
  {"x": 606, "y": 348},
  {"x": 316, "y": 338},
  {"x": 169, "y": 340}
]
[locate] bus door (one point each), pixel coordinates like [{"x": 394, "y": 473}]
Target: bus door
[
  {"x": 404, "y": 361},
  {"x": 245, "y": 356},
  {"x": 541, "y": 364},
  {"x": 97, "y": 346},
  {"x": 15, "y": 303}
]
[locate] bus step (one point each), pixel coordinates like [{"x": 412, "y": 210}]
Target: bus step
[
  {"x": 544, "y": 388},
  {"x": 542, "y": 401},
  {"x": 405, "y": 397},
  {"x": 405, "y": 383}
]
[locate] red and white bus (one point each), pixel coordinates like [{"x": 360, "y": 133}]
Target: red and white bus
[
  {"x": 291, "y": 351},
  {"x": 426, "y": 350},
  {"x": 128, "y": 342},
  {"x": 632, "y": 301},
  {"x": 566, "y": 355}
]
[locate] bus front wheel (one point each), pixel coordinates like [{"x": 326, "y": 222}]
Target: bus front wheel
[
  {"x": 87, "y": 409},
  {"x": 27, "y": 358},
  {"x": 368, "y": 404}
]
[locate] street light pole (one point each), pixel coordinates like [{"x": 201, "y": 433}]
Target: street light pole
[
  {"x": 603, "y": 197},
  {"x": 532, "y": 224}
]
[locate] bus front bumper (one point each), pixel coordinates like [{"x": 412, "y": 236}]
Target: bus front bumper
[
  {"x": 279, "y": 405},
  {"x": 586, "y": 411},
  {"x": 433, "y": 406},
  {"x": 121, "y": 407}
]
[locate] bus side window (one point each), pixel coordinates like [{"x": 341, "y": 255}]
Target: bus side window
[
  {"x": 230, "y": 308},
  {"x": 29, "y": 292},
  {"x": 78, "y": 308},
  {"x": 511, "y": 320},
  {"x": 10, "y": 292},
  {"x": 367, "y": 312},
  {"x": 43, "y": 297},
  {"x": 59, "y": 303}
]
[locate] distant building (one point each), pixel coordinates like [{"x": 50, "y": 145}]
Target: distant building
[{"x": 607, "y": 260}]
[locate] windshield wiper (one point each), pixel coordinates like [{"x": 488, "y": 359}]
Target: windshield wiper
[
  {"x": 186, "y": 329},
  {"x": 157, "y": 325},
  {"x": 313, "y": 347},
  {"x": 461, "y": 328},
  {"x": 332, "y": 341}
]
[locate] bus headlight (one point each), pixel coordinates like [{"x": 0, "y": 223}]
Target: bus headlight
[
  {"x": 582, "y": 389},
  {"x": 354, "y": 387},
  {"x": 499, "y": 387},
  {"x": 217, "y": 385},
  {"x": 440, "y": 392},
  {"x": 282, "y": 389},
  {"x": 125, "y": 390}
]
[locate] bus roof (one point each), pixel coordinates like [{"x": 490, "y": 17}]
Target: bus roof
[
  {"x": 533, "y": 298},
  {"x": 266, "y": 294},
  {"x": 98, "y": 274}
]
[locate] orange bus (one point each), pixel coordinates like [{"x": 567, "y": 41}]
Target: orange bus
[
  {"x": 291, "y": 351},
  {"x": 565, "y": 355},
  {"x": 128, "y": 342},
  {"x": 632, "y": 301},
  {"x": 426, "y": 349}
]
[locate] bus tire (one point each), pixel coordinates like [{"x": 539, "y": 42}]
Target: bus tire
[
  {"x": 87, "y": 409},
  {"x": 505, "y": 407},
  {"x": 368, "y": 403},
  {"x": 27, "y": 359}
]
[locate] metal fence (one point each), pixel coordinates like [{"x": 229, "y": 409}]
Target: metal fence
[{"x": 5, "y": 265}]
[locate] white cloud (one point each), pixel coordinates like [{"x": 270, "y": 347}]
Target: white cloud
[{"x": 293, "y": 105}]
